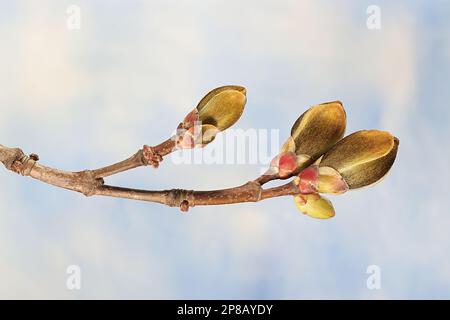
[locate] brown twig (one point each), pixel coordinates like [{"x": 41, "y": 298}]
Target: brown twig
[
  {"x": 90, "y": 182},
  {"x": 249, "y": 192},
  {"x": 145, "y": 156}
]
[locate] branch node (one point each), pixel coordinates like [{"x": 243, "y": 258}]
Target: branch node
[
  {"x": 22, "y": 164},
  {"x": 151, "y": 157},
  {"x": 180, "y": 198},
  {"x": 257, "y": 189},
  {"x": 34, "y": 157},
  {"x": 90, "y": 183},
  {"x": 184, "y": 206},
  {"x": 10, "y": 155}
]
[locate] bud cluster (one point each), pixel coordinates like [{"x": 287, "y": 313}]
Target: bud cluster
[{"x": 315, "y": 154}]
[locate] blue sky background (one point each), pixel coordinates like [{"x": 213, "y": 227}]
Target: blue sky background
[{"x": 84, "y": 98}]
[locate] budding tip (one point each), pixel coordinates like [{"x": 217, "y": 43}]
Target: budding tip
[
  {"x": 241, "y": 90},
  {"x": 396, "y": 141},
  {"x": 339, "y": 106},
  {"x": 362, "y": 159},
  {"x": 241, "y": 98},
  {"x": 336, "y": 103}
]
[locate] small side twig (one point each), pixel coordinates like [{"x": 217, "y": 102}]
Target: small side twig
[{"x": 143, "y": 157}]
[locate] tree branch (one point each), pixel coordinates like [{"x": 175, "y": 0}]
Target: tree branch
[{"x": 90, "y": 182}]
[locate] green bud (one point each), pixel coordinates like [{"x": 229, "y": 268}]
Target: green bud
[
  {"x": 222, "y": 107},
  {"x": 314, "y": 206},
  {"x": 362, "y": 158},
  {"x": 317, "y": 130}
]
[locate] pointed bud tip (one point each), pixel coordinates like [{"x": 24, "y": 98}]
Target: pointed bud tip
[
  {"x": 332, "y": 104},
  {"x": 240, "y": 89},
  {"x": 222, "y": 107},
  {"x": 319, "y": 128},
  {"x": 362, "y": 158},
  {"x": 396, "y": 140}
]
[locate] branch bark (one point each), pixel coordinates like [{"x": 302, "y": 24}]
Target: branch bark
[
  {"x": 90, "y": 182},
  {"x": 145, "y": 156}
]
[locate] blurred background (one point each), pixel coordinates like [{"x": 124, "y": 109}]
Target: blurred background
[{"x": 86, "y": 97}]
